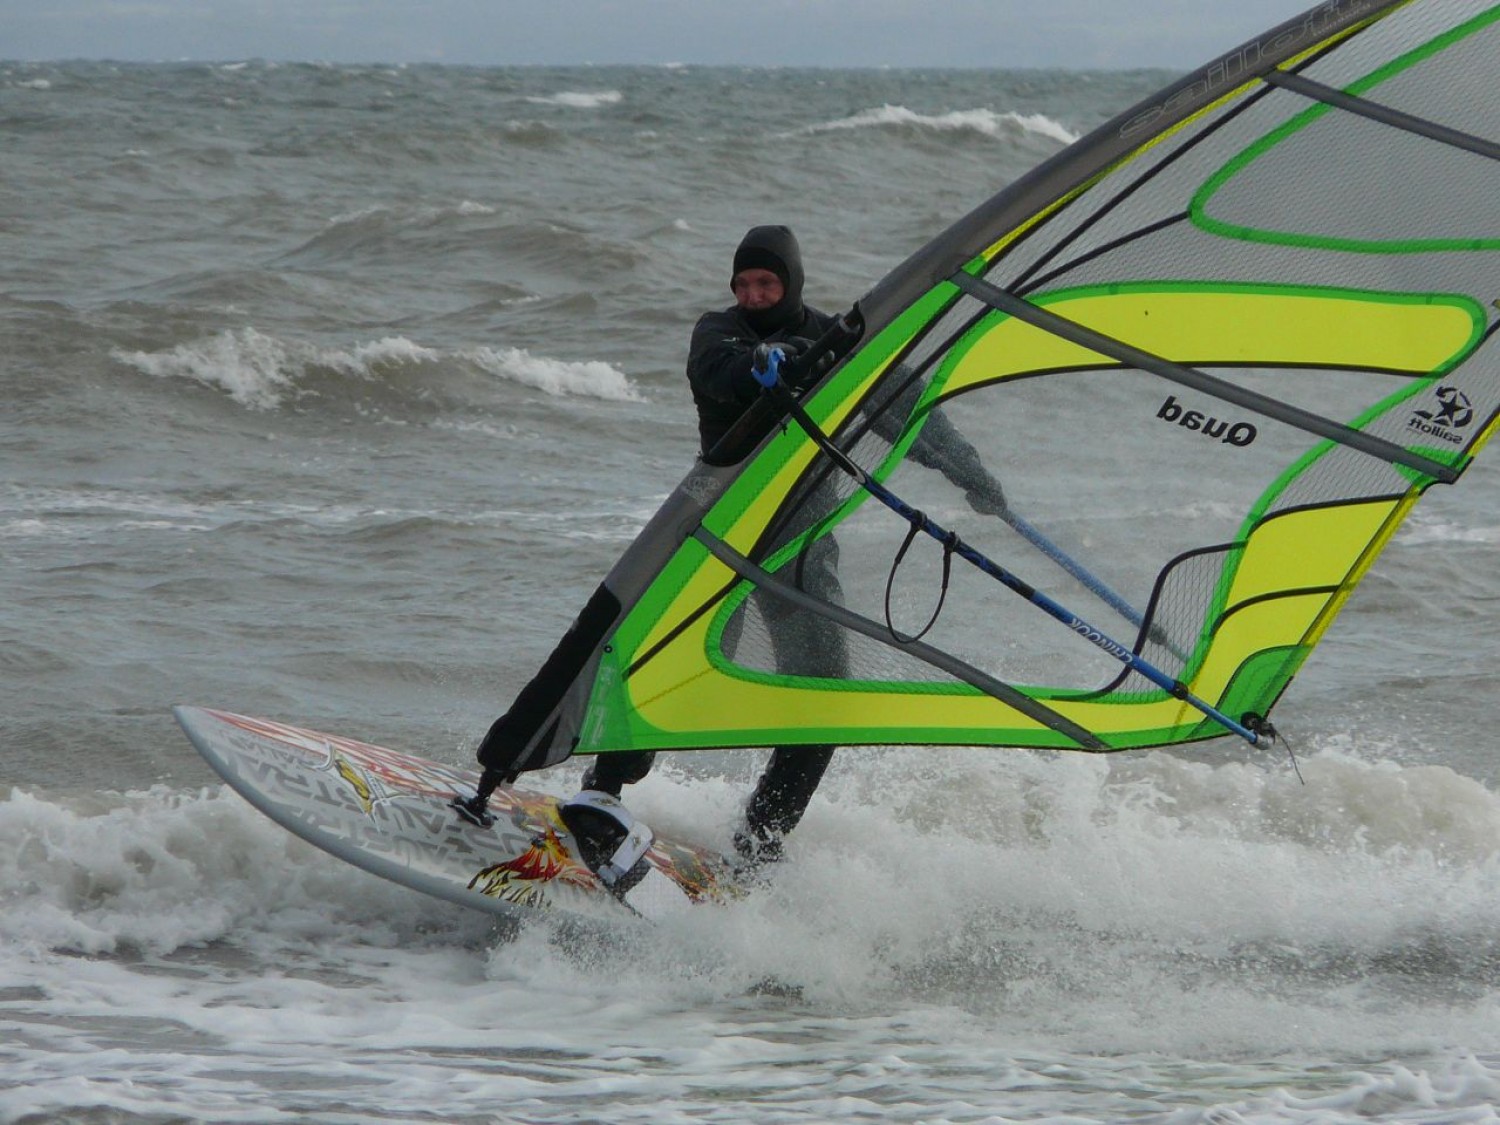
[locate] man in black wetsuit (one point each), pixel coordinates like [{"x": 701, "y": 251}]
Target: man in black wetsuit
[
  {"x": 766, "y": 281},
  {"x": 768, "y": 309},
  {"x": 767, "y": 284}
]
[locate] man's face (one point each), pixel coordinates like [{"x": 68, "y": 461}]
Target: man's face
[{"x": 756, "y": 289}]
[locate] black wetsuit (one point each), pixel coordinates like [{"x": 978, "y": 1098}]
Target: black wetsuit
[
  {"x": 718, "y": 371},
  {"x": 718, "y": 367},
  {"x": 804, "y": 644}
]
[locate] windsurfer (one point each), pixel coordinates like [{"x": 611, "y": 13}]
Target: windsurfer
[{"x": 767, "y": 281}]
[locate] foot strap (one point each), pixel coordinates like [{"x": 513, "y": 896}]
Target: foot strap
[{"x": 637, "y": 837}]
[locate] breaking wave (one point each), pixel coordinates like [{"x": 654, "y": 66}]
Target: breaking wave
[
  {"x": 579, "y": 99},
  {"x": 263, "y": 372},
  {"x": 985, "y": 122}
]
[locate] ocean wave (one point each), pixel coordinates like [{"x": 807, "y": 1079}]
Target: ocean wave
[
  {"x": 469, "y": 232},
  {"x": 378, "y": 215},
  {"x": 579, "y": 99},
  {"x": 256, "y": 370},
  {"x": 525, "y": 133},
  {"x": 202, "y": 952},
  {"x": 986, "y": 122},
  {"x": 263, "y": 372},
  {"x": 590, "y": 379},
  {"x": 1143, "y": 885},
  {"x": 159, "y": 869},
  {"x": 1426, "y": 528}
]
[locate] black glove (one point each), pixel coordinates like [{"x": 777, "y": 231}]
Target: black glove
[{"x": 803, "y": 374}]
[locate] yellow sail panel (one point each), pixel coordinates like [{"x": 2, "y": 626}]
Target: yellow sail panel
[
  {"x": 696, "y": 579},
  {"x": 1372, "y": 549},
  {"x": 1229, "y": 325},
  {"x": 1254, "y": 627},
  {"x": 680, "y": 696},
  {"x": 681, "y": 702},
  {"x": 1307, "y": 548}
]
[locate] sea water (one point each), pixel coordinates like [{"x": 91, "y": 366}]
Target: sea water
[{"x": 329, "y": 395}]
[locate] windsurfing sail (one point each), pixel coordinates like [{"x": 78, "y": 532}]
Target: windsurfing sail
[{"x": 1214, "y": 352}]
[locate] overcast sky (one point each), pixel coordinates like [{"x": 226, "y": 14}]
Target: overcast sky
[{"x": 967, "y": 33}]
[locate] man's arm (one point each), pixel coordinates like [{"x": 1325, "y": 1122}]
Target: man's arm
[
  {"x": 719, "y": 359},
  {"x": 940, "y": 446}
]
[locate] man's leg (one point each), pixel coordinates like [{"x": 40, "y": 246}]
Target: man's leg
[
  {"x": 610, "y": 772},
  {"x": 780, "y": 799},
  {"x": 805, "y": 645}
]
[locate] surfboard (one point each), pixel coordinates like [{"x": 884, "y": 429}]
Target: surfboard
[{"x": 388, "y": 813}]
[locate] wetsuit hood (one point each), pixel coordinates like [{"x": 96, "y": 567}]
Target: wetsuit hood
[{"x": 773, "y": 248}]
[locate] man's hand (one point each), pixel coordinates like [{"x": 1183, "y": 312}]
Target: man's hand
[
  {"x": 795, "y": 371},
  {"x": 803, "y": 374},
  {"x": 987, "y": 498},
  {"x": 760, "y": 361}
]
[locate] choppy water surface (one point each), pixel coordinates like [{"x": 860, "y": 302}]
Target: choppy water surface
[{"x": 330, "y": 394}]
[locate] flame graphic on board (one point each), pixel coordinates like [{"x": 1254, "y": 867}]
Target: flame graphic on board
[{"x": 520, "y": 880}]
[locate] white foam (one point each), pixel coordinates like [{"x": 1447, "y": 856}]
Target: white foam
[
  {"x": 256, "y": 370},
  {"x": 86, "y": 514},
  {"x": 464, "y": 208},
  {"x": 363, "y": 358},
  {"x": 159, "y": 870},
  {"x": 1067, "y": 926},
  {"x": 1192, "y": 905},
  {"x": 983, "y": 121},
  {"x": 1423, "y": 529},
  {"x": 262, "y": 372},
  {"x": 25, "y": 528},
  {"x": 579, "y": 99},
  {"x": 902, "y": 851},
  {"x": 590, "y": 378},
  {"x": 357, "y": 216}
]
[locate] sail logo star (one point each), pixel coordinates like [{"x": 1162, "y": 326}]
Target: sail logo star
[{"x": 1453, "y": 412}]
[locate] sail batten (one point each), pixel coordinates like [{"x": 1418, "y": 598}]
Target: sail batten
[
  {"x": 1124, "y": 352},
  {"x": 1469, "y": 142}
]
